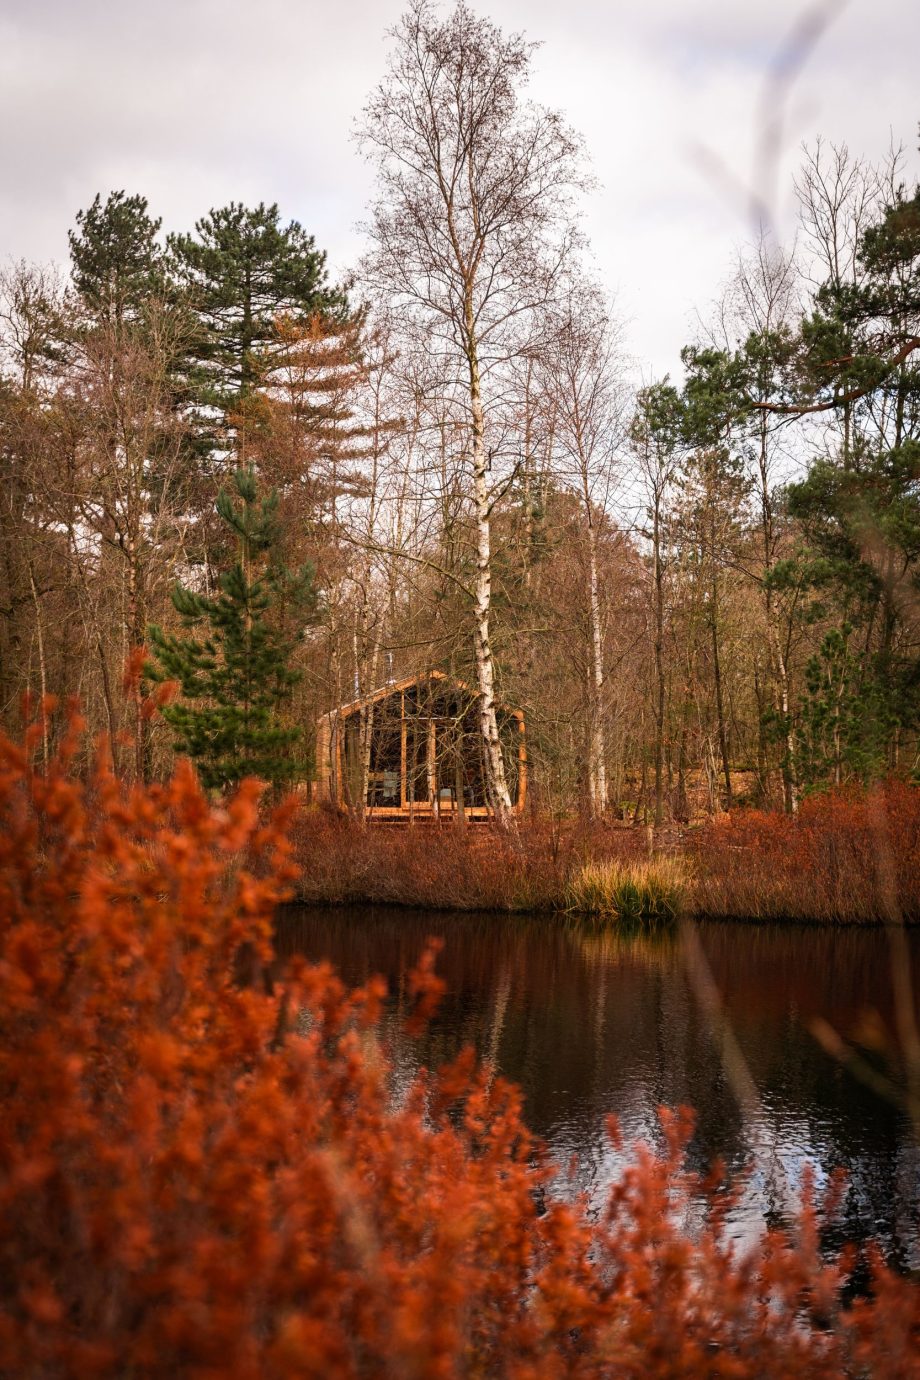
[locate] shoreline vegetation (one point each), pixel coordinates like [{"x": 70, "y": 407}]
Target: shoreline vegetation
[{"x": 847, "y": 858}]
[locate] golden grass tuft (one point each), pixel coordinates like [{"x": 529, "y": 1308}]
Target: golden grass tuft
[{"x": 644, "y": 891}]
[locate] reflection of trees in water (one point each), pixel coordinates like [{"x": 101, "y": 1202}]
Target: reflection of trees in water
[{"x": 589, "y": 1023}]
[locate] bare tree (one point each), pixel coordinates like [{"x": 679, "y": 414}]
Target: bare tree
[
  {"x": 470, "y": 233},
  {"x": 838, "y": 194},
  {"x": 585, "y": 391},
  {"x": 130, "y": 485},
  {"x": 655, "y": 441},
  {"x": 31, "y": 308},
  {"x": 764, "y": 302}
]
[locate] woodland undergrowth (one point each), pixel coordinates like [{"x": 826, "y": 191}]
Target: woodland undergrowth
[{"x": 847, "y": 857}]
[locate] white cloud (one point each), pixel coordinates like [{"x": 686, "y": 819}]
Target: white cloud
[{"x": 195, "y": 104}]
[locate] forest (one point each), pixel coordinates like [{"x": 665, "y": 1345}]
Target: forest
[{"x": 702, "y": 592}]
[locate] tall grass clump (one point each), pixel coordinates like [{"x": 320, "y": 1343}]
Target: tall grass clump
[{"x": 644, "y": 891}]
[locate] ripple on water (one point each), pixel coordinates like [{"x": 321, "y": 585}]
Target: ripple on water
[{"x": 591, "y": 1024}]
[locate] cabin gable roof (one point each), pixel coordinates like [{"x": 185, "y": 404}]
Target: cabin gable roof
[{"x": 345, "y": 711}]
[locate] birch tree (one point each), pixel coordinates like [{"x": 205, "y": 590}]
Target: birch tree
[{"x": 470, "y": 231}]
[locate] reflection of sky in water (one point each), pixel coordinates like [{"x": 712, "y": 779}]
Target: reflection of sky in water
[{"x": 589, "y": 1025}]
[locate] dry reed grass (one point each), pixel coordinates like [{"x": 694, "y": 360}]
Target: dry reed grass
[{"x": 647, "y": 891}]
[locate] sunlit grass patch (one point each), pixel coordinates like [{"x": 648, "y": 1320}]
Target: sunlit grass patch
[{"x": 651, "y": 891}]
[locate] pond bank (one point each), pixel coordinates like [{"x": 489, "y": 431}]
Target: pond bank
[{"x": 845, "y": 859}]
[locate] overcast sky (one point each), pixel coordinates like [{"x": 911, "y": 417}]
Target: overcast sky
[{"x": 198, "y": 102}]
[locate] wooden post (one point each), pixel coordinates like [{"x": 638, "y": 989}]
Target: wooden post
[
  {"x": 403, "y": 780},
  {"x": 522, "y": 764},
  {"x": 433, "y": 767}
]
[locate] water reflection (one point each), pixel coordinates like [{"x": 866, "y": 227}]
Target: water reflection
[{"x": 589, "y": 1024}]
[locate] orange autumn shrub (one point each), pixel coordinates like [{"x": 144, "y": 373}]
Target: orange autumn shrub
[
  {"x": 441, "y": 866},
  {"x": 205, "y": 1171},
  {"x": 848, "y": 857},
  {"x": 427, "y": 865}
]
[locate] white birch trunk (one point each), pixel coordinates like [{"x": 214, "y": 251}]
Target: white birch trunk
[
  {"x": 598, "y": 757},
  {"x": 367, "y": 727},
  {"x": 496, "y": 785}
]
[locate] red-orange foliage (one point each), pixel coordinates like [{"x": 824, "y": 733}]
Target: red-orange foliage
[
  {"x": 203, "y": 1174},
  {"x": 431, "y": 865},
  {"x": 848, "y": 856}
]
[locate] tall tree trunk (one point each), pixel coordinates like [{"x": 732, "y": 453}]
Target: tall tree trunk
[
  {"x": 108, "y": 700},
  {"x": 598, "y": 763},
  {"x": 681, "y": 806},
  {"x": 366, "y": 739},
  {"x": 777, "y": 658},
  {"x": 760, "y": 693},
  {"x": 496, "y": 784},
  {"x": 659, "y": 661},
  {"x": 367, "y": 714},
  {"x": 136, "y": 621},
  {"x": 790, "y": 776},
  {"x": 720, "y": 707},
  {"x": 42, "y": 668}
]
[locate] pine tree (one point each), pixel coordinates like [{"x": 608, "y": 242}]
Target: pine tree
[
  {"x": 846, "y": 716},
  {"x": 116, "y": 262},
  {"x": 243, "y": 270},
  {"x": 235, "y": 680},
  {"x": 861, "y": 526}
]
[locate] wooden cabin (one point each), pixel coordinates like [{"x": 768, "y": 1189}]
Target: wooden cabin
[{"x": 426, "y": 752}]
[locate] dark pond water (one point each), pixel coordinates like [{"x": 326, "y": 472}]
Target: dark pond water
[{"x": 717, "y": 1017}]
